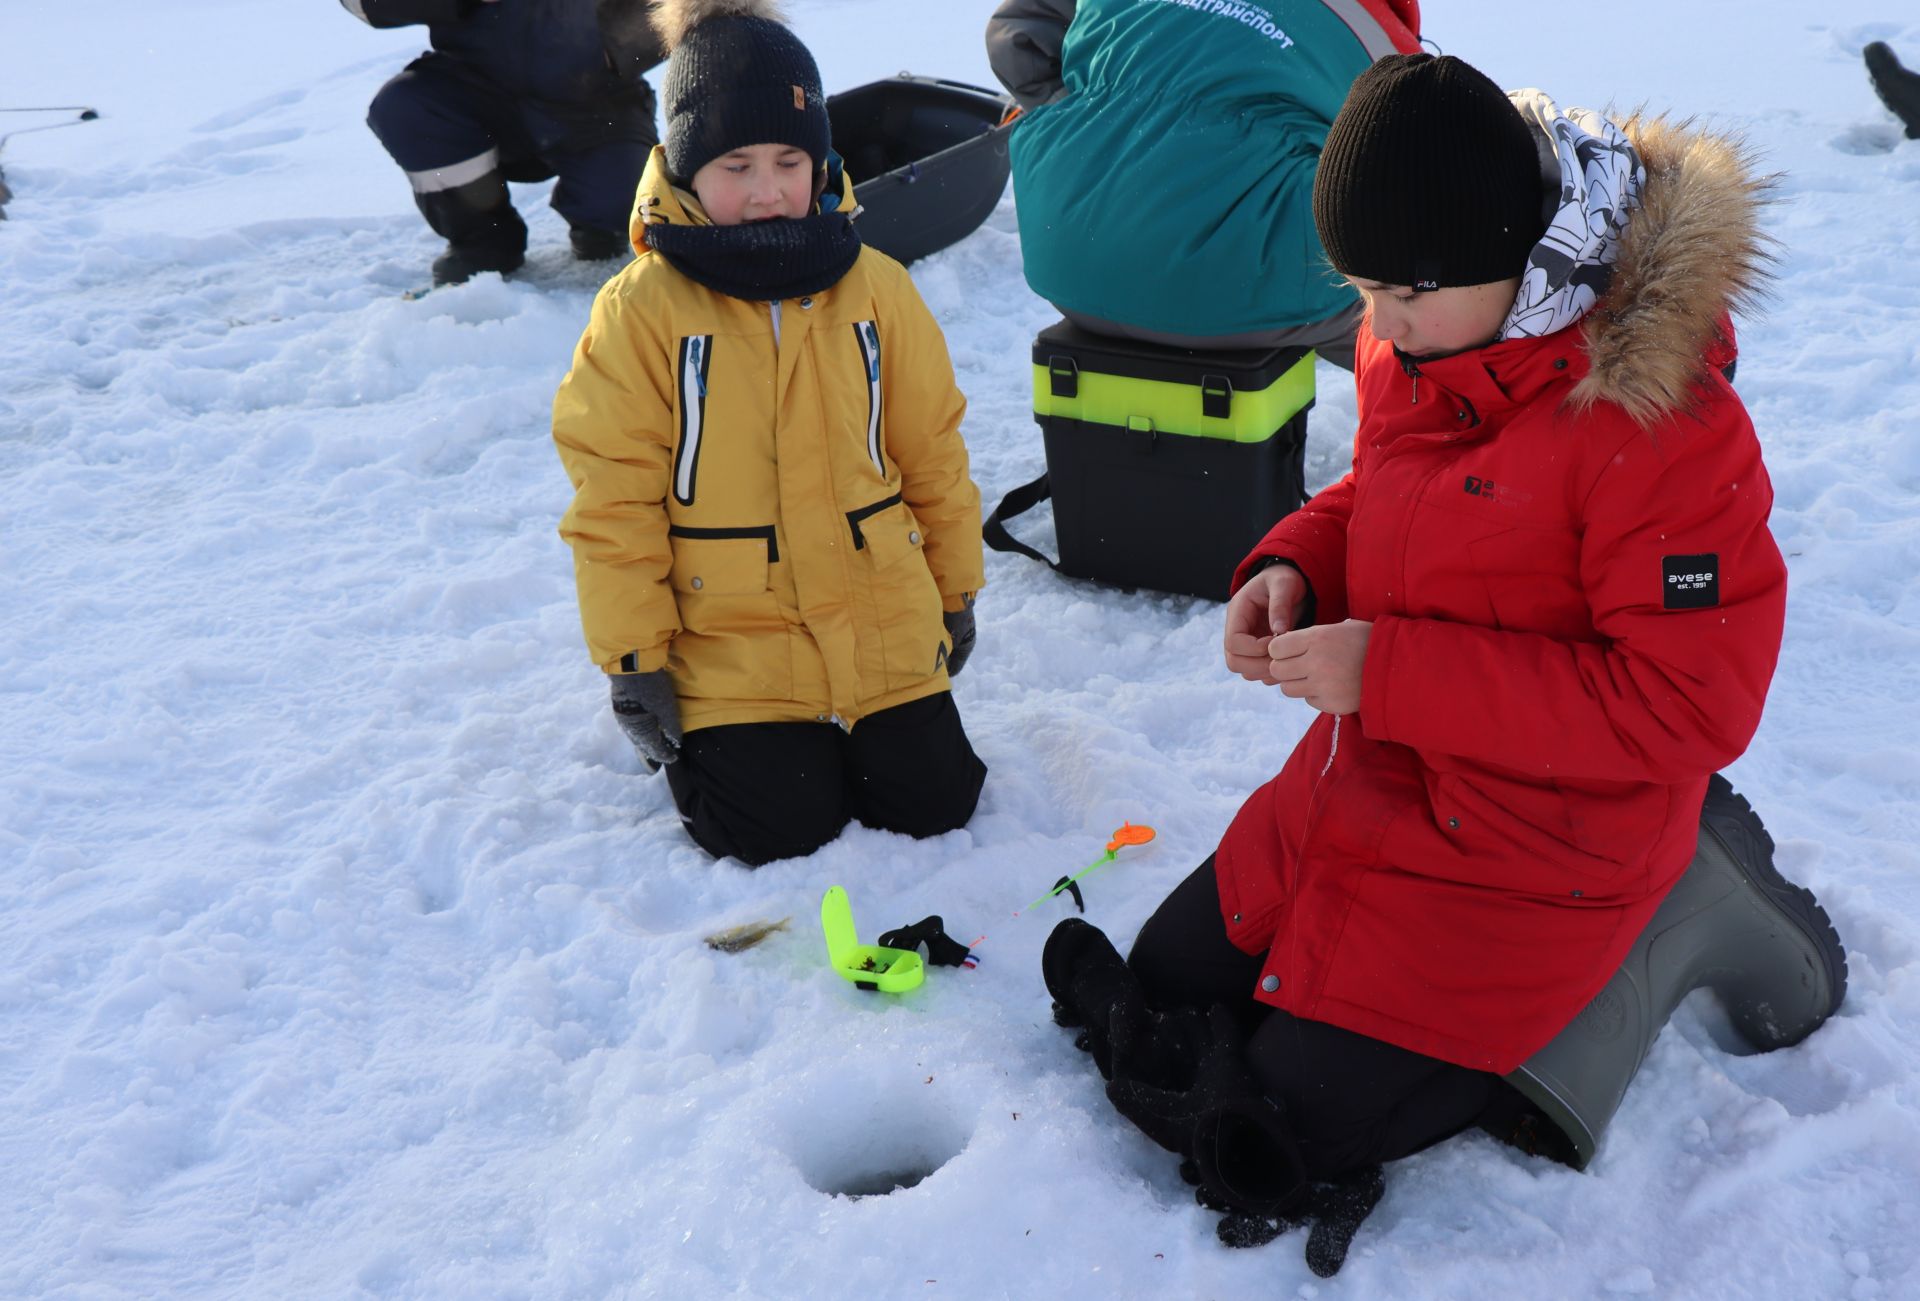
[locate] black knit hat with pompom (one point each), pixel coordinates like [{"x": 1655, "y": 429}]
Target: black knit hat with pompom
[
  {"x": 1429, "y": 178},
  {"x": 736, "y": 76}
]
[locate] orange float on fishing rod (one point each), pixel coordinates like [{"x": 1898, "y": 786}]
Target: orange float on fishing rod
[{"x": 1127, "y": 836}]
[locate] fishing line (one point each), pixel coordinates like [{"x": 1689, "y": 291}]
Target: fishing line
[{"x": 86, "y": 115}]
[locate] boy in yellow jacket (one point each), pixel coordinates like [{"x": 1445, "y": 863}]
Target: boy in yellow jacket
[{"x": 775, "y": 537}]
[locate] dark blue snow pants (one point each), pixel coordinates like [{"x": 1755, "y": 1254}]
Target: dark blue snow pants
[{"x": 448, "y": 130}]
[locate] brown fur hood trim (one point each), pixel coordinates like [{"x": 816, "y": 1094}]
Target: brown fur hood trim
[
  {"x": 1691, "y": 255},
  {"x": 673, "y": 19}
]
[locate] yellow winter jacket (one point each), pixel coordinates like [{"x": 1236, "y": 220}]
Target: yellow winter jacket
[{"x": 777, "y": 524}]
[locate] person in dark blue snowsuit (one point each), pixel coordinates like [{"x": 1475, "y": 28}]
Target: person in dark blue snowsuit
[{"x": 518, "y": 90}]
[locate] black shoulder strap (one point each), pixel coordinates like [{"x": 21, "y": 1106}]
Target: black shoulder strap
[{"x": 1018, "y": 502}]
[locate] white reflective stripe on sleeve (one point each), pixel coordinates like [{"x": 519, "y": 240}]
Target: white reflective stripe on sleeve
[
  {"x": 869, "y": 336},
  {"x": 454, "y": 175},
  {"x": 1366, "y": 28},
  {"x": 696, "y": 354},
  {"x": 357, "y": 9}
]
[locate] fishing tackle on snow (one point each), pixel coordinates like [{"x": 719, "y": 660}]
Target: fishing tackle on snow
[
  {"x": 894, "y": 965},
  {"x": 1072, "y": 887},
  {"x": 1126, "y": 836},
  {"x": 868, "y": 966},
  {"x": 929, "y": 932}
]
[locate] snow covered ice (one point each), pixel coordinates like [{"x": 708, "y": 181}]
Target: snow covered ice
[{"x": 348, "y": 951}]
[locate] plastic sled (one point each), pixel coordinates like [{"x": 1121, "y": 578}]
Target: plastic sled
[{"x": 928, "y": 159}]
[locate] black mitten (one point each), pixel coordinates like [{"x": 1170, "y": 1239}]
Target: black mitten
[
  {"x": 1338, "y": 1209},
  {"x": 1335, "y": 1210}
]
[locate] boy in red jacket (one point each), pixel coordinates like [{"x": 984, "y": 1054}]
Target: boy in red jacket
[{"x": 1537, "y": 616}]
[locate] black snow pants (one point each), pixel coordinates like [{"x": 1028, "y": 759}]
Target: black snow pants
[
  {"x": 1352, "y": 1101},
  {"x": 761, "y": 791}
]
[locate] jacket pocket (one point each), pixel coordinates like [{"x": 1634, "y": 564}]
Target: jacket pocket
[
  {"x": 1531, "y": 581},
  {"x": 903, "y": 602},
  {"x": 1440, "y": 578},
  {"x": 1537, "y": 838},
  {"x": 734, "y": 644}
]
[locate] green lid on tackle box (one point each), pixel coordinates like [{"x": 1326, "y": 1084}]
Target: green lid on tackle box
[
  {"x": 1165, "y": 465},
  {"x": 1240, "y": 396}
]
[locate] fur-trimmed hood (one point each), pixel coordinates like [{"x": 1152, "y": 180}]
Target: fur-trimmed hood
[{"x": 1691, "y": 255}]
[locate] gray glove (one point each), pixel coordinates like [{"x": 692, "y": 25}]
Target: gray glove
[
  {"x": 961, "y": 632},
  {"x": 647, "y": 711}
]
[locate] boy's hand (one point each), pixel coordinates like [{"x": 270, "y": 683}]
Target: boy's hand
[
  {"x": 1323, "y": 665},
  {"x": 1267, "y": 606},
  {"x": 962, "y": 632},
  {"x": 648, "y": 712}
]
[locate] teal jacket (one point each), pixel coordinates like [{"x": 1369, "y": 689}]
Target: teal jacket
[{"x": 1166, "y": 181}]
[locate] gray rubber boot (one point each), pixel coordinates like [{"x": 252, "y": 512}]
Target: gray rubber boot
[{"x": 1732, "y": 924}]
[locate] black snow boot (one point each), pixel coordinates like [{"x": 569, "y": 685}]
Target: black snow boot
[
  {"x": 1732, "y": 924},
  {"x": 1092, "y": 988},
  {"x": 1247, "y": 1157},
  {"x": 591, "y": 244},
  {"x": 1898, "y": 88},
  {"x": 482, "y": 230},
  {"x": 463, "y": 261}
]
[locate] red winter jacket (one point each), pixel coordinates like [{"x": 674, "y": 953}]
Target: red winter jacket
[{"x": 1562, "y": 546}]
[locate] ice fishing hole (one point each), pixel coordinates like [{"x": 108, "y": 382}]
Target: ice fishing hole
[
  {"x": 879, "y": 1183},
  {"x": 872, "y": 1141}
]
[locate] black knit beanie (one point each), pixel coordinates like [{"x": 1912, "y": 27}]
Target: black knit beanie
[
  {"x": 1430, "y": 178},
  {"x": 736, "y": 76}
]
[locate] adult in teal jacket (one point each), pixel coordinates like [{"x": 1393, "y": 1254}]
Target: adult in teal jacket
[{"x": 1163, "y": 165}]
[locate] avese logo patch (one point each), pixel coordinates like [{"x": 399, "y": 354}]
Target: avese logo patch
[{"x": 1690, "y": 582}]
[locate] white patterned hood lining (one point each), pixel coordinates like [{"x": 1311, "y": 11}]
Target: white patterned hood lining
[{"x": 1599, "y": 176}]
